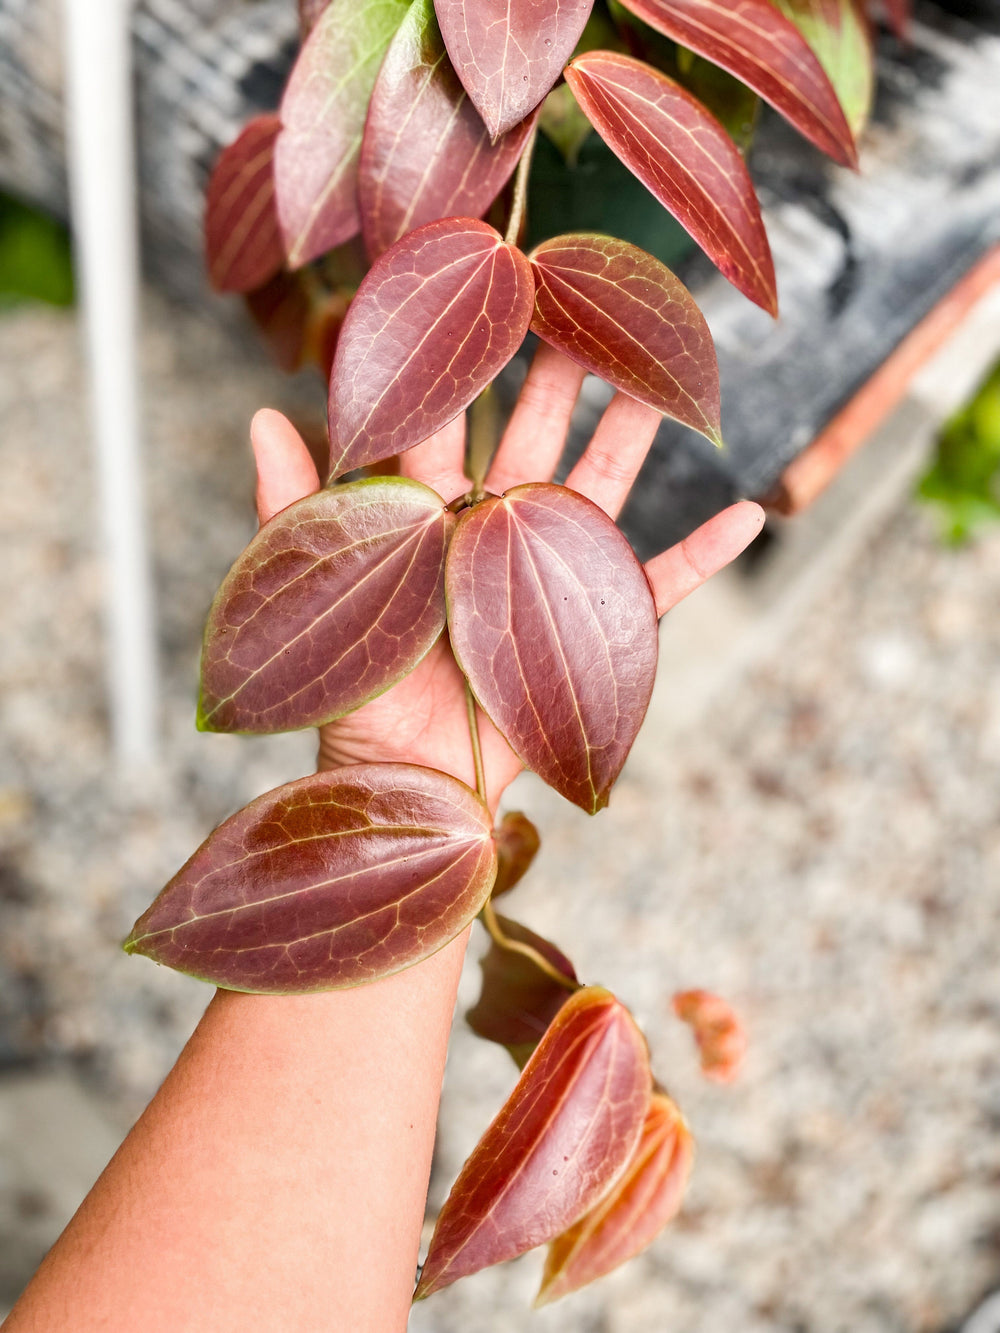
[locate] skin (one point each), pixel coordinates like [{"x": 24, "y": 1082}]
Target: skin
[{"x": 278, "y": 1178}]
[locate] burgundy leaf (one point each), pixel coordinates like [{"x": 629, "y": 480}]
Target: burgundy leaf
[
  {"x": 426, "y": 153},
  {"x": 309, "y": 12},
  {"x": 282, "y": 310},
  {"x": 437, "y": 317},
  {"x": 552, "y": 620},
  {"x": 558, "y": 1144},
  {"x": 685, "y": 158},
  {"x": 519, "y": 999},
  {"x": 323, "y": 116},
  {"x": 646, "y": 1197},
  {"x": 838, "y": 32},
  {"x": 899, "y": 13},
  {"x": 751, "y": 40},
  {"x": 624, "y": 316},
  {"x": 517, "y": 846},
  {"x": 243, "y": 244},
  {"x": 333, "y": 601},
  {"x": 327, "y": 882},
  {"x": 718, "y": 1031},
  {"x": 509, "y": 53}
]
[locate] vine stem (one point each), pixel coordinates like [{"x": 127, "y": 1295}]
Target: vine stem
[
  {"x": 477, "y": 749},
  {"x": 520, "y": 190},
  {"x": 504, "y": 941}
]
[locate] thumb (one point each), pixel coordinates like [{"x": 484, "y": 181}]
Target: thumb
[{"x": 285, "y": 469}]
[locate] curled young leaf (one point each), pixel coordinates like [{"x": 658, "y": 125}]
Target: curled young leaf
[
  {"x": 517, "y": 846},
  {"x": 553, "y": 623},
  {"x": 624, "y": 316},
  {"x": 718, "y": 1031},
  {"x": 838, "y": 32},
  {"x": 645, "y": 1198},
  {"x": 519, "y": 997},
  {"x": 323, "y": 116},
  {"x": 243, "y": 244},
  {"x": 509, "y": 53},
  {"x": 331, "y": 881},
  {"x": 685, "y": 158},
  {"x": 333, "y": 601},
  {"x": 436, "y": 318},
  {"x": 557, "y": 1146},
  {"x": 426, "y": 153},
  {"x": 757, "y": 44}
]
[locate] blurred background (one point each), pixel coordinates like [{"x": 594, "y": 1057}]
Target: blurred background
[{"x": 808, "y": 823}]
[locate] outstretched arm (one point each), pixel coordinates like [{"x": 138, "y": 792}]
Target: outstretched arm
[{"x": 277, "y": 1180}]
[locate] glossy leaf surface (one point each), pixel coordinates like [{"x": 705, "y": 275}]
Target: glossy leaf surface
[
  {"x": 552, "y": 620},
  {"x": 509, "y": 53},
  {"x": 558, "y": 1144},
  {"x": 685, "y": 158},
  {"x": 519, "y": 999},
  {"x": 323, "y": 116},
  {"x": 436, "y": 318},
  {"x": 757, "y": 44},
  {"x": 517, "y": 846},
  {"x": 718, "y": 1031},
  {"x": 330, "y": 881},
  {"x": 333, "y": 601},
  {"x": 646, "y": 1197},
  {"x": 426, "y": 152},
  {"x": 243, "y": 245},
  {"x": 837, "y": 30},
  {"x": 624, "y": 316}
]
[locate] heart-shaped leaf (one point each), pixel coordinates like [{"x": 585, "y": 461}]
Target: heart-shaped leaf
[
  {"x": 243, "y": 245},
  {"x": 757, "y": 44},
  {"x": 684, "y": 156},
  {"x": 558, "y": 1144},
  {"x": 333, "y": 601},
  {"x": 519, "y": 997},
  {"x": 327, "y": 882},
  {"x": 436, "y": 318},
  {"x": 645, "y": 1198},
  {"x": 517, "y": 846},
  {"x": 426, "y": 152},
  {"x": 323, "y": 116},
  {"x": 624, "y": 316},
  {"x": 509, "y": 53},
  {"x": 552, "y": 620},
  {"x": 718, "y": 1032},
  {"x": 838, "y": 32}
]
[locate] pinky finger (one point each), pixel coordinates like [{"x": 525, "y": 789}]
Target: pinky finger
[{"x": 686, "y": 566}]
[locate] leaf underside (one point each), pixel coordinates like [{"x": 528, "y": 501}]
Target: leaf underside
[
  {"x": 685, "y": 158},
  {"x": 552, "y": 621},
  {"x": 623, "y": 315},
  {"x": 436, "y": 318},
  {"x": 517, "y": 842},
  {"x": 426, "y": 153},
  {"x": 838, "y": 32},
  {"x": 331, "y": 881},
  {"x": 556, "y": 1147},
  {"x": 336, "y": 598},
  {"x": 243, "y": 245}
]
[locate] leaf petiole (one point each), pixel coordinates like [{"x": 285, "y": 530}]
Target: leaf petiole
[{"x": 520, "y": 191}]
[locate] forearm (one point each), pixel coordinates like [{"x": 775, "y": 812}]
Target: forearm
[{"x": 278, "y": 1178}]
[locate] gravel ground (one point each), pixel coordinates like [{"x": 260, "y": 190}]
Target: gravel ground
[{"x": 823, "y": 848}]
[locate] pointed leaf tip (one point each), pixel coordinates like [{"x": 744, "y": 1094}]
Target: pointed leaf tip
[{"x": 243, "y": 245}]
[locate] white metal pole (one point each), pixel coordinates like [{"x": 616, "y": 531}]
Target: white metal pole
[{"x": 99, "y": 136}]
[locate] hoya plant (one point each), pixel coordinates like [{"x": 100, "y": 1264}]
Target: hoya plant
[{"x": 375, "y": 224}]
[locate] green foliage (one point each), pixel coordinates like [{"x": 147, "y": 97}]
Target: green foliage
[
  {"x": 963, "y": 481},
  {"x": 35, "y": 259}
]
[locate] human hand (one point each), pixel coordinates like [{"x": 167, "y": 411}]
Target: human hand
[{"x": 423, "y": 719}]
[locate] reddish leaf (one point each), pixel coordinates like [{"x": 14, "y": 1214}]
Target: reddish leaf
[
  {"x": 519, "y": 999},
  {"x": 838, "y": 32},
  {"x": 509, "y": 53},
  {"x": 517, "y": 846},
  {"x": 333, "y": 601},
  {"x": 309, "y": 12},
  {"x": 330, "y": 881},
  {"x": 624, "y": 316},
  {"x": 243, "y": 244},
  {"x": 436, "y": 318},
  {"x": 718, "y": 1031},
  {"x": 323, "y": 115},
  {"x": 685, "y": 158},
  {"x": 552, "y": 620},
  {"x": 640, "y": 1205},
  {"x": 751, "y": 40},
  {"x": 899, "y": 13},
  {"x": 558, "y": 1144},
  {"x": 282, "y": 310},
  {"x": 426, "y": 153}
]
